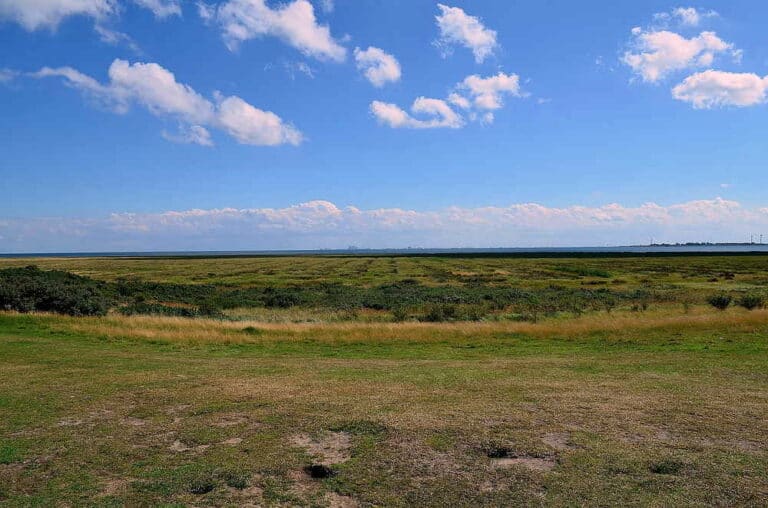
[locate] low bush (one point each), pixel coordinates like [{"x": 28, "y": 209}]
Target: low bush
[
  {"x": 720, "y": 302},
  {"x": 751, "y": 302}
]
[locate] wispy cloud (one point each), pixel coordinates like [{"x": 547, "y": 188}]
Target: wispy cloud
[{"x": 684, "y": 16}]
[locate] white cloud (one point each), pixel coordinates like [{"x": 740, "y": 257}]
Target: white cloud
[
  {"x": 294, "y": 68},
  {"x": 252, "y": 126},
  {"x": 161, "y": 8},
  {"x": 116, "y": 38},
  {"x": 685, "y": 16},
  {"x": 378, "y": 66},
  {"x": 322, "y": 224},
  {"x": 206, "y": 11},
  {"x": 459, "y": 28},
  {"x": 37, "y": 14},
  {"x": 709, "y": 89},
  {"x": 192, "y": 134},
  {"x": 658, "y": 53},
  {"x": 48, "y": 14},
  {"x": 459, "y": 101},
  {"x": 7, "y": 75},
  {"x": 487, "y": 92},
  {"x": 156, "y": 88},
  {"x": 437, "y": 114},
  {"x": 475, "y": 95},
  {"x": 293, "y": 22},
  {"x": 327, "y": 5}
]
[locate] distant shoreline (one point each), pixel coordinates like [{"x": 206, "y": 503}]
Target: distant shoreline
[{"x": 654, "y": 249}]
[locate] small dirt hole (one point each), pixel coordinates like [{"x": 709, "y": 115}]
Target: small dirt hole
[
  {"x": 667, "y": 467},
  {"x": 319, "y": 471},
  {"x": 202, "y": 486},
  {"x": 499, "y": 452}
]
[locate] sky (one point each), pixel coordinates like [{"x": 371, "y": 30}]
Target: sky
[{"x": 302, "y": 124}]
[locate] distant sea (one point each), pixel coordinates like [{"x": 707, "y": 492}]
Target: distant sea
[{"x": 634, "y": 249}]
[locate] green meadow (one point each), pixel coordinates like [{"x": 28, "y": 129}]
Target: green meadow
[{"x": 525, "y": 393}]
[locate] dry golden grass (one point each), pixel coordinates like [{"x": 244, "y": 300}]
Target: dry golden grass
[{"x": 217, "y": 331}]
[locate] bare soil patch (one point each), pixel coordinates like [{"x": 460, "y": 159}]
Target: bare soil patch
[
  {"x": 230, "y": 420},
  {"x": 558, "y": 440},
  {"x": 330, "y": 448},
  {"x": 533, "y": 463},
  {"x": 134, "y": 422}
]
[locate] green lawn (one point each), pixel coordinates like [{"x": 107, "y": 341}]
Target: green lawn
[{"x": 653, "y": 416}]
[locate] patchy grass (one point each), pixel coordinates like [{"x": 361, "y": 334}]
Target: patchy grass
[{"x": 621, "y": 408}]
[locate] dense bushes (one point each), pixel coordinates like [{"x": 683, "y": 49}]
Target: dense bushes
[
  {"x": 31, "y": 289},
  {"x": 28, "y": 289}
]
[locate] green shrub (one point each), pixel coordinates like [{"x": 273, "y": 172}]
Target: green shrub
[
  {"x": 31, "y": 289},
  {"x": 400, "y": 314},
  {"x": 720, "y": 302},
  {"x": 438, "y": 313},
  {"x": 751, "y": 302}
]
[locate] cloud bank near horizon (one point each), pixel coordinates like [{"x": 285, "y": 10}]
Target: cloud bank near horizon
[{"x": 322, "y": 224}]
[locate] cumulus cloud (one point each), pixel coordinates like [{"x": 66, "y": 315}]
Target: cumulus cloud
[
  {"x": 293, "y": 22},
  {"x": 487, "y": 92},
  {"x": 459, "y": 28},
  {"x": 378, "y": 66},
  {"x": 710, "y": 89},
  {"x": 435, "y": 113},
  {"x": 656, "y": 54},
  {"x": 475, "y": 95},
  {"x": 322, "y": 224},
  {"x": 156, "y": 88}
]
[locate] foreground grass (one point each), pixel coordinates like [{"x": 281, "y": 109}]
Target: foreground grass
[{"x": 657, "y": 408}]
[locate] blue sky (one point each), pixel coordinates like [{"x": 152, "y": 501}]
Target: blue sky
[{"x": 599, "y": 109}]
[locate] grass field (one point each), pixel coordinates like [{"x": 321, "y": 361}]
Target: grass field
[
  {"x": 686, "y": 270},
  {"x": 664, "y": 406}
]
